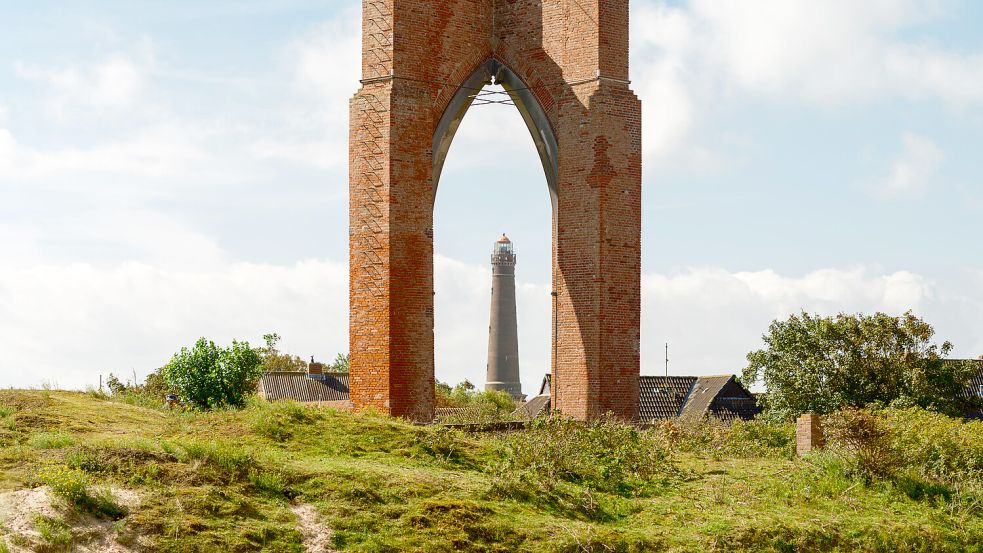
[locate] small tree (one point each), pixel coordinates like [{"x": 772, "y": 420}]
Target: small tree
[
  {"x": 822, "y": 364},
  {"x": 209, "y": 376},
  {"x": 274, "y": 360},
  {"x": 340, "y": 364}
]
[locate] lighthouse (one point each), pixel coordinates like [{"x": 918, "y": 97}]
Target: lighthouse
[{"x": 503, "y": 334}]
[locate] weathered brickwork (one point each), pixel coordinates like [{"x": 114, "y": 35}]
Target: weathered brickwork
[
  {"x": 572, "y": 55},
  {"x": 808, "y": 434}
]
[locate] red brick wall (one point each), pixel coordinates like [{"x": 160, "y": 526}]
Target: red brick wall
[{"x": 414, "y": 55}]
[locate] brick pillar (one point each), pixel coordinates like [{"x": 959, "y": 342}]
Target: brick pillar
[
  {"x": 598, "y": 251},
  {"x": 808, "y": 434},
  {"x": 571, "y": 57}
]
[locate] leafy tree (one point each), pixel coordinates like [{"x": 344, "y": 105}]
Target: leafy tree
[
  {"x": 274, "y": 360},
  {"x": 209, "y": 376},
  {"x": 116, "y": 387},
  {"x": 340, "y": 364},
  {"x": 822, "y": 364},
  {"x": 465, "y": 394}
]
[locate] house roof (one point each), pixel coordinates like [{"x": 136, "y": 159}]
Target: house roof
[
  {"x": 662, "y": 397},
  {"x": 533, "y": 408},
  {"x": 299, "y": 386},
  {"x": 669, "y": 397}
]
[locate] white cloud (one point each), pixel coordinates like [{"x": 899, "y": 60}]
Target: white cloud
[
  {"x": 713, "y": 318},
  {"x": 157, "y": 151},
  {"x": 325, "y": 65},
  {"x": 687, "y": 62},
  {"x": 113, "y": 84},
  {"x": 69, "y": 323},
  {"x": 912, "y": 172}
]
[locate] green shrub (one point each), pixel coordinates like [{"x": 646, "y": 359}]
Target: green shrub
[
  {"x": 269, "y": 482},
  {"x": 760, "y": 438},
  {"x": 209, "y": 377},
  {"x": 606, "y": 455},
  {"x": 475, "y": 407},
  {"x": 864, "y": 439},
  {"x": 705, "y": 436},
  {"x": 936, "y": 445},
  {"x": 85, "y": 459},
  {"x": 54, "y": 531},
  {"x": 72, "y": 486},
  {"x": 277, "y": 421},
  {"x": 440, "y": 442},
  {"x": 232, "y": 460},
  {"x": 66, "y": 483}
]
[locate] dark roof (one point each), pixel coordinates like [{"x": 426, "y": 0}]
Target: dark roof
[
  {"x": 662, "y": 397},
  {"x": 703, "y": 393},
  {"x": 299, "y": 386},
  {"x": 669, "y": 397},
  {"x": 472, "y": 413},
  {"x": 533, "y": 408},
  {"x": 733, "y": 402}
]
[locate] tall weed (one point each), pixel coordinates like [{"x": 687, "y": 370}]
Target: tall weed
[
  {"x": 607, "y": 455},
  {"x": 863, "y": 438},
  {"x": 936, "y": 445}
]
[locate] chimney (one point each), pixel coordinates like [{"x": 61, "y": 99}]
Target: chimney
[{"x": 315, "y": 370}]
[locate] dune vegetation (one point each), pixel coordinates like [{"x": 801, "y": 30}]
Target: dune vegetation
[{"x": 288, "y": 477}]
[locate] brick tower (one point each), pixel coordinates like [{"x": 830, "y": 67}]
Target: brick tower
[
  {"x": 564, "y": 64},
  {"x": 503, "y": 332}
]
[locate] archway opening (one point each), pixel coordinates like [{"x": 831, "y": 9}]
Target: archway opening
[{"x": 490, "y": 168}]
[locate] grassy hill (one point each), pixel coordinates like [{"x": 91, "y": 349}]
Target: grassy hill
[{"x": 283, "y": 477}]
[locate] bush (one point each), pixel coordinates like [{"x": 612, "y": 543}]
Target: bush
[
  {"x": 863, "y": 438},
  {"x": 210, "y": 377},
  {"x": 761, "y": 438},
  {"x": 277, "y": 421},
  {"x": 823, "y": 364},
  {"x": 474, "y": 406},
  {"x": 273, "y": 360},
  {"x": 440, "y": 442},
  {"x": 233, "y": 462},
  {"x": 54, "y": 531},
  {"x": 607, "y": 455},
  {"x": 937, "y": 446},
  {"x": 72, "y": 486}
]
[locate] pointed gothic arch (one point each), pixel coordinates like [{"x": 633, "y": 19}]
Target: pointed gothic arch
[
  {"x": 525, "y": 101},
  {"x": 565, "y": 64}
]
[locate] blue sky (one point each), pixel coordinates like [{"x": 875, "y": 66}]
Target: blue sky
[{"x": 176, "y": 169}]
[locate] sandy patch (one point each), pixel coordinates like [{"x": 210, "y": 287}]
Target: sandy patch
[
  {"x": 19, "y": 509},
  {"x": 316, "y": 535}
]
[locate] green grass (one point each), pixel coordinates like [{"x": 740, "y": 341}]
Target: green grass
[
  {"x": 54, "y": 531},
  {"x": 225, "y": 481}
]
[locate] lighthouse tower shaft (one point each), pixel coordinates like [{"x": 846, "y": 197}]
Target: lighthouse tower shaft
[{"x": 503, "y": 335}]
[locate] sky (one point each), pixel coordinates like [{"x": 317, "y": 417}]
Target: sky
[{"x": 170, "y": 170}]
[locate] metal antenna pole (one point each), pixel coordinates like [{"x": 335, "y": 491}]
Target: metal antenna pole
[{"x": 667, "y": 358}]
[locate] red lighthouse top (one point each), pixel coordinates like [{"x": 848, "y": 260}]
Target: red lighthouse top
[{"x": 503, "y": 247}]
